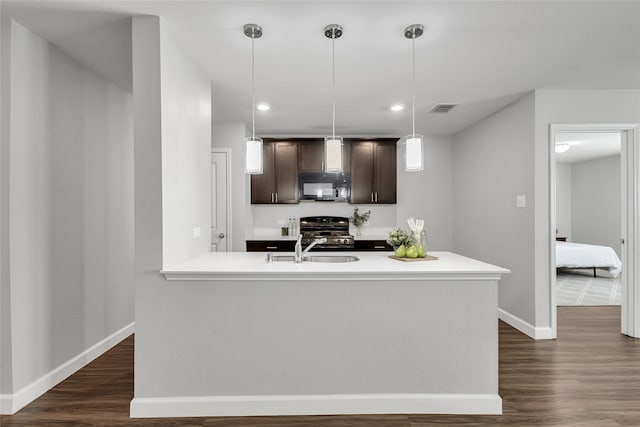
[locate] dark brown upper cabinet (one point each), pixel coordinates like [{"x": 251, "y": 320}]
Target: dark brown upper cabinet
[
  {"x": 371, "y": 163},
  {"x": 373, "y": 171},
  {"x": 311, "y": 156},
  {"x": 278, "y": 182}
]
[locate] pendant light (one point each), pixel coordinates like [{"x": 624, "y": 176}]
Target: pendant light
[
  {"x": 253, "y": 145},
  {"x": 333, "y": 143},
  {"x": 414, "y": 158}
]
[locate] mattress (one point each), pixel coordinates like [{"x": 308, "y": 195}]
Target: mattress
[{"x": 581, "y": 255}]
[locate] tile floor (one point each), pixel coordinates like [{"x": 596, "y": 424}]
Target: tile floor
[{"x": 579, "y": 287}]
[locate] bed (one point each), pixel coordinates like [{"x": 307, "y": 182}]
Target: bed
[{"x": 581, "y": 255}]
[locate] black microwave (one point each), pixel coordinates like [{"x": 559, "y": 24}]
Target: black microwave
[{"x": 324, "y": 186}]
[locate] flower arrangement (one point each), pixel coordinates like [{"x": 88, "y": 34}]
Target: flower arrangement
[
  {"x": 399, "y": 237},
  {"x": 358, "y": 219}
]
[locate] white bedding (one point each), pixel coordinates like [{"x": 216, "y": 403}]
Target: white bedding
[{"x": 580, "y": 255}]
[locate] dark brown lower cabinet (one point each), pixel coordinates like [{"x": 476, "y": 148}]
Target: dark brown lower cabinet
[
  {"x": 270, "y": 245},
  {"x": 289, "y": 245},
  {"x": 372, "y": 245}
]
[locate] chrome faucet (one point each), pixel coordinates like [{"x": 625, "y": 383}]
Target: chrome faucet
[
  {"x": 299, "y": 253},
  {"x": 298, "y": 250}
]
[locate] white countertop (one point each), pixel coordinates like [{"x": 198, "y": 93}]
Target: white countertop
[
  {"x": 375, "y": 266},
  {"x": 275, "y": 238}
]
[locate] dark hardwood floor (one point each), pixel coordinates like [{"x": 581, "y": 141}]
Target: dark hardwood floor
[{"x": 589, "y": 377}]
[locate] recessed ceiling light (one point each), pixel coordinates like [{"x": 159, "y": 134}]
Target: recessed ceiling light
[
  {"x": 397, "y": 107},
  {"x": 263, "y": 107},
  {"x": 563, "y": 146}
]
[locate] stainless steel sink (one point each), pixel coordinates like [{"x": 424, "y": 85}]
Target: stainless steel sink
[
  {"x": 317, "y": 258},
  {"x": 275, "y": 258},
  {"x": 331, "y": 258}
]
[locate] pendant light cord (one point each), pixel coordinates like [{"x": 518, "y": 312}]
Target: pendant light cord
[
  {"x": 413, "y": 88},
  {"x": 253, "y": 86},
  {"x": 333, "y": 83}
]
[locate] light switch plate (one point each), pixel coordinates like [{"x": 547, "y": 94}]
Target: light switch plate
[
  {"x": 197, "y": 232},
  {"x": 282, "y": 222},
  {"x": 521, "y": 201}
]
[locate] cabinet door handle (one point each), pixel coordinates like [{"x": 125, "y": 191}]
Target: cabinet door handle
[
  {"x": 272, "y": 247},
  {"x": 378, "y": 247},
  {"x": 276, "y": 197},
  {"x": 376, "y": 197},
  {"x": 371, "y": 197}
]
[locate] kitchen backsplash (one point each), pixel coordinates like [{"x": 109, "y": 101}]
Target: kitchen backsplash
[{"x": 382, "y": 220}]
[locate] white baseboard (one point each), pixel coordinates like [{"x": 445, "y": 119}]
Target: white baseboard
[
  {"x": 538, "y": 333},
  {"x": 338, "y": 404},
  {"x": 12, "y": 403},
  {"x": 6, "y": 404}
]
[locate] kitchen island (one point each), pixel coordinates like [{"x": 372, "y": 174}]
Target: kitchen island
[{"x": 234, "y": 335}]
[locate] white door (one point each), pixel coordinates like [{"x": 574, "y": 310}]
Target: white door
[{"x": 219, "y": 201}]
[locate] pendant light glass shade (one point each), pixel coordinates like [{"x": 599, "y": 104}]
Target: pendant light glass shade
[
  {"x": 413, "y": 153},
  {"x": 333, "y": 143},
  {"x": 333, "y": 154},
  {"x": 253, "y": 155},
  {"x": 252, "y": 144},
  {"x": 414, "y": 159}
]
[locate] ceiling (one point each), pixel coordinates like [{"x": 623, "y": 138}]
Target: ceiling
[
  {"x": 481, "y": 55},
  {"x": 588, "y": 146}
]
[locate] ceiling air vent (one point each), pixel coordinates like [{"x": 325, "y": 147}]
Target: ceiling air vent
[{"x": 441, "y": 108}]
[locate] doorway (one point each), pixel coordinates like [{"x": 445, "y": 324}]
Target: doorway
[
  {"x": 588, "y": 215},
  {"x": 220, "y": 200},
  {"x": 563, "y": 137}
]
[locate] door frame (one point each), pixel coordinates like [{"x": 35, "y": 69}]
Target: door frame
[
  {"x": 227, "y": 152},
  {"x": 630, "y": 230}
]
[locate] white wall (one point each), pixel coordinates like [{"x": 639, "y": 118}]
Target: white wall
[
  {"x": 429, "y": 194},
  {"x": 70, "y": 209},
  {"x": 231, "y": 136},
  {"x": 492, "y": 163},
  {"x": 596, "y": 202},
  {"x": 563, "y": 200},
  {"x": 560, "y": 107},
  {"x": 186, "y": 135}
]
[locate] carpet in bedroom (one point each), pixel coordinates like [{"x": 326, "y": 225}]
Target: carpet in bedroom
[{"x": 579, "y": 287}]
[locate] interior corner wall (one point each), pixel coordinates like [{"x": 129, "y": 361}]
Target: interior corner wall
[
  {"x": 231, "y": 136},
  {"x": 160, "y": 130},
  {"x": 596, "y": 219},
  {"x": 492, "y": 164},
  {"x": 6, "y": 375},
  {"x": 70, "y": 206},
  {"x": 145, "y": 40},
  {"x": 563, "y": 201},
  {"x": 186, "y": 148},
  {"x": 567, "y": 107}
]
